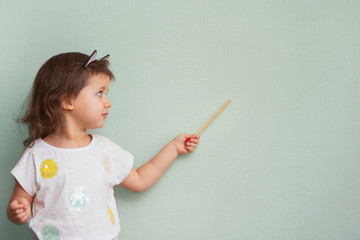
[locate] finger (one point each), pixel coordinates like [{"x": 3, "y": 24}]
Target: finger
[
  {"x": 24, "y": 219},
  {"x": 21, "y": 215},
  {"x": 194, "y": 136},
  {"x": 24, "y": 202},
  {"x": 189, "y": 149},
  {"x": 16, "y": 205},
  {"x": 192, "y": 140},
  {"x": 193, "y": 145},
  {"x": 195, "y": 141},
  {"x": 189, "y": 136},
  {"x": 18, "y": 211}
]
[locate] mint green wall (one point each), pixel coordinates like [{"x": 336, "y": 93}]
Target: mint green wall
[{"x": 281, "y": 162}]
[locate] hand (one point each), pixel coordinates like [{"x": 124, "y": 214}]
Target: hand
[
  {"x": 183, "y": 147},
  {"x": 19, "y": 210},
  {"x": 141, "y": 179}
]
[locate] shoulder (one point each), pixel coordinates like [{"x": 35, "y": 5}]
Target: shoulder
[
  {"x": 105, "y": 143},
  {"x": 108, "y": 146},
  {"x": 98, "y": 139},
  {"x": 31, "y": 153},
  {"x": 35, "y": 147}
]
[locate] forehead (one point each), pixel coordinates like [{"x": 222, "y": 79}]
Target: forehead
[{"x": 98, "y": 80}]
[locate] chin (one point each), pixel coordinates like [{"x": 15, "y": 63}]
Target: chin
[{"x": 97, "y": 126}]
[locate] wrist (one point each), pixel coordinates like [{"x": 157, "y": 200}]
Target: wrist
[{"x": 172, "y": 148}]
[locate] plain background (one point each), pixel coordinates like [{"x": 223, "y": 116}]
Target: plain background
[{"x": 281, "y": 162}]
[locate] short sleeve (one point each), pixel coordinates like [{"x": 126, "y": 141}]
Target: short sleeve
[
  {"x": 24, "y": 172},
  {"x": 122, "y": 162}
]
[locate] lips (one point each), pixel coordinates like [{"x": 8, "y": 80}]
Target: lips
[{"x": 104, "y": 114}]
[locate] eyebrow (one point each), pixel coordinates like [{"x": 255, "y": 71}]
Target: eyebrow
[{"x": 103, "y": 88}]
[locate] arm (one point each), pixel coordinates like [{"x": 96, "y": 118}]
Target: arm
[
  {"x": 19, "y": 208},
  {"x": 144, "y": 177}
]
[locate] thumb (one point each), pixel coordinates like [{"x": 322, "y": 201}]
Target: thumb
[
  {"x": 16, "y": 204},
  {"x": 190, "y": 136},
  {"x": 23, "y": 202}
]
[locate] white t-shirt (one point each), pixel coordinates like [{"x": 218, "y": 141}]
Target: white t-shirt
[{"x": 73, "y": 188}]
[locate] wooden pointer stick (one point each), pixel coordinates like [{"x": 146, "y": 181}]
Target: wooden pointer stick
[{"x": 211, "y": 119}]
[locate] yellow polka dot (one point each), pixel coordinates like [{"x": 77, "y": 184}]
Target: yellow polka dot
[
  {"x": 111, "y": 215},
  {"x": 48, "y": 168}
]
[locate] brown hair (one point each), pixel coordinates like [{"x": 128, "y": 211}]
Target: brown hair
[{"x": 61, "y": 76}]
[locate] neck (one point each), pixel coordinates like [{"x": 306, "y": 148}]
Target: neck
[{"x": 67, "y": 138}]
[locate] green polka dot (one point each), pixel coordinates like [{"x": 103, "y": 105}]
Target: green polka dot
[
  {"x": 78, "y": 199},
  {"x": 50, "y": 232}
]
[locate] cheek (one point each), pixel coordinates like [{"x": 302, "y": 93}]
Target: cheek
[
  {"x": 94, "y": 107},
  {"x": 89, "y": 106}
]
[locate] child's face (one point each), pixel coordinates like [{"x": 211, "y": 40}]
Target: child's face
[{"x": 91, "y": 106}]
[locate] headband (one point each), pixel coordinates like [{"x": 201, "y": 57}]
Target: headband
[{"x": 93, "y": 58}]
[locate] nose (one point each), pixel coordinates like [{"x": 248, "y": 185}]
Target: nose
[{"x": 107, "y": 103}]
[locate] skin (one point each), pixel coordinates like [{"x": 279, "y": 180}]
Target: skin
[{"x": 88, "y": 110}]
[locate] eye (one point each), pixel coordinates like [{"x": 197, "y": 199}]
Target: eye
[{"x": 99, "y": 93}]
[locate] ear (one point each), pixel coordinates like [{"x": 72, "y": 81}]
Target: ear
[{"x": 67, "y": 102}]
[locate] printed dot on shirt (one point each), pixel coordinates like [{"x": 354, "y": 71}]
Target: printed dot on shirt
[
  {"x": 78, "y": 199},
  {"x": 50, "y": 232},
  {"x": 111, "y": 215},
  {"x": 106, "y": 164},
  {"x": 48, "y": 168}
]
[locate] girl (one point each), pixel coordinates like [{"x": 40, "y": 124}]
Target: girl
[{"x": 64, "y": 180}]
